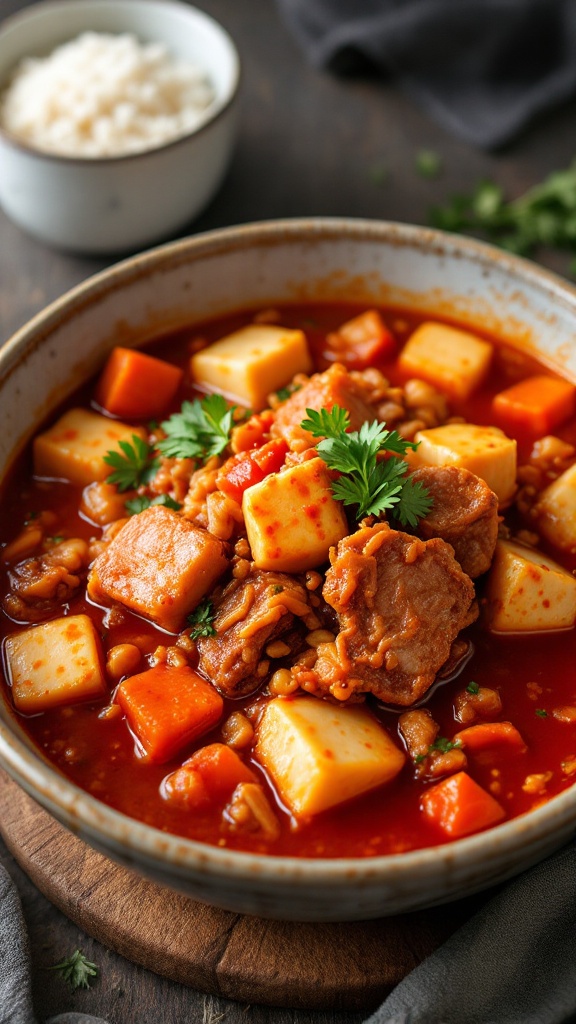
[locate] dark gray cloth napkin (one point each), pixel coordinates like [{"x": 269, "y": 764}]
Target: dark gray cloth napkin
[
  {"x": 514, "y": 962},
  {"x": 482, "y": 68}
]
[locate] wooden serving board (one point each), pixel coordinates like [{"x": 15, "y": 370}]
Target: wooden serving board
[{"x": 352, "y": 965}]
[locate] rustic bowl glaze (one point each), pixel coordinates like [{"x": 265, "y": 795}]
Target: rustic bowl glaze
[
  {"x": 121, "y": 203},
  {"x": 206, "y": 276}
]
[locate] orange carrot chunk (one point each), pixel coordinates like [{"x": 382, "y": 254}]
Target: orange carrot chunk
[
  {"x": 459, "y": 806},
  {"x": 537, "y": 404},
  {"x": 361, "y": 342},
  {"x": 167, "y": 707},
  {"x": 135, "y": 385},
  {"x": 209, "y": 776},
  {"x": 491, "y": 734}
]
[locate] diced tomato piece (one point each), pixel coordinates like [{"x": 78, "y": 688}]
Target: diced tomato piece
[
  {"x": 460, "y": 807},
  {"x": 167, "y": 707},
  {"x": 209, "y": 776},
  {"x": 491, "y": 734},
  {"x": 536, "y": 404},
  {"x": 136, "y": 385},
  {"x": 252, "y": 432},
  {"x": 249, "y": 468},
  {"x": 361, "y": 342}
]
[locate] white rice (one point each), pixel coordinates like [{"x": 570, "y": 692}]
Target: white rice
[{"x": 104, "y": 95}]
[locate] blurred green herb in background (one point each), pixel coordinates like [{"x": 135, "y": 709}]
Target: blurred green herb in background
[
  {"x": 545, "y": 215},
  {"x": 428, "y": 163}
]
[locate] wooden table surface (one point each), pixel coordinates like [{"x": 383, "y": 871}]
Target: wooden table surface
[{"x": 310, "y": 144}]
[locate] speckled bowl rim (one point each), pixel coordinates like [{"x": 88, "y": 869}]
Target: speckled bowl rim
[
  {"x": 145, "y": 844},
  {"x": 217, "y": 110}
]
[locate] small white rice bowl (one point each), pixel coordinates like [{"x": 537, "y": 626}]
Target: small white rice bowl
[
  {"x": 105, "y": 95},
  {"x": 118, "y": 120}
]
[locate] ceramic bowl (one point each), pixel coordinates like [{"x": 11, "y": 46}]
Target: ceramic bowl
[
  {"x": 119, "y": 204},
  {"x": 259, "y": 265}
]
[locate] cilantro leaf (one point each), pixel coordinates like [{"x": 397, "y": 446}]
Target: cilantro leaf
[
  {"x": 201, "y": 619},
  {"x": 135, "y": 505},
  {"x": 133, "y": 465},
  {"x": 444, "y": 745},
  {"x": 201, "y": 429},
  {"x": 76, "y": 970},
  {"x": 372, "y": 484},
  {"x": 544, "y": 215},
  {"x": 473, "y": 687}
]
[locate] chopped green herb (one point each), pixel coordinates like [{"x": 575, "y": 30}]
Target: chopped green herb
[
  {"x": 76, "y": 970},
  {"x": 473, "y": 687},
  {"x": 419, "y": 758},
  {"x": 372, "y": 484},
  {"x": 135, "y": 505},
  {"x": 428, "y": 163},
  {"x": 541, "y": 713},
  {"x": 277, "y": 588},
  {"x": 545, "y": 215},
  {"x": 283, "y": 393},
  {"x": 201, "y": 619},
  {"x": 133, "y": 466},
  {"x": 444, "y": 745},
  {"x": 201, "y": 429},
  {"x": 58, "y": 539}
]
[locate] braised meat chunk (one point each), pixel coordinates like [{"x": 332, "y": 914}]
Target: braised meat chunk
[
  {"x": 324, "y": 390},
  {"x": 250, "y": 613},
  {"x": 464, "y": 513},
  {"x": 401, "y": 602}
]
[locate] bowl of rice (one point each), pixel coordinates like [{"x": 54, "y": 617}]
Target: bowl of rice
[{"x": 117, "y": 120}]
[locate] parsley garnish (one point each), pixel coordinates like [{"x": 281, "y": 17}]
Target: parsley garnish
[
  {"x": 135, "y": 505},
  {"x": 473, "y": 687},
  {"x": 541, "y": 713},
  {"x": 201, "y": 429},
  {"x": 444, "y": 745},
  {"x": 371, "y": 484},
  {"x": 545, "y": 215},
  {"x": 134, "y": 467},
  {"x": 201, "y": 619},
  {"x": 76, "y": 970}
]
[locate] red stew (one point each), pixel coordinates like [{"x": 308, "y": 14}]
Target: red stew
[{"x": 523, "y": 678}]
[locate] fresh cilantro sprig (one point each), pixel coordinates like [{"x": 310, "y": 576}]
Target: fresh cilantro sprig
[
  {"x": 133, "y": 466},
  {"x": 372, "y": 484},
  {"x": 201, "y": 620},
  {"x": 441, "y": 745},
  {"x": 545, "y": 215},
  {"x": 76, "y": 970},
  {"x": 135, "y": 505},
  {"x": 201, "y": 429}
]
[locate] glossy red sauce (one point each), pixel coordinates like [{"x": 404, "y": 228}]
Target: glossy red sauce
[{"x": 534, "y": 673}]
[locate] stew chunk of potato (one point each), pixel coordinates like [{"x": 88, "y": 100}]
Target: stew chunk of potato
[
  {"x": 292, "y": 519},
  {"x": 74, "y": 448},
  {"x": 527, "y": 591},
  {"x": 250, "y": 363},
  {"x": 485, "y": 451},
  {"x": 159, "y": 565},
  {"x": 455, "y": 361},
  {"x": 320, "y": 755},
  {"x": 58, "y": 662}
]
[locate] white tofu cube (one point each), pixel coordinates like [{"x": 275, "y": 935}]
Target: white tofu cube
[
  {"x": 74, "y": 447},
  {"x": 455, "y": 361},
  {"x": 556, "y": 510},
  {"x": 292, "y": 519},
  {"x": 527, "y": 592},
  {"x": 485, "y": 451},
  {"x": 58, "y": 662},
  {"x": 320, "y": 754},
  {"x": 252, "y": 362}
]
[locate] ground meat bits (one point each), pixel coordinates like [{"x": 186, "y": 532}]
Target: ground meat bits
[
  {"x": 401, "y": 603},
  {"x": 464, "y": 513},
  {"x": 250, "y": 613}
]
